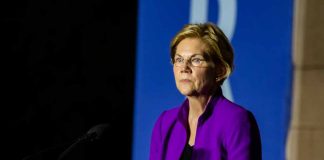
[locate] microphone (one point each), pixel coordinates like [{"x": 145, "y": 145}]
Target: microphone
[
  {"x": 94, "y": 139},
  {"x": 98, "y": 132}
]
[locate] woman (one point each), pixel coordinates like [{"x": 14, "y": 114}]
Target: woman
[{"x": 206, "y": 126}]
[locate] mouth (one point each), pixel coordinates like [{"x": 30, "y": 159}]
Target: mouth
[{"x": 185, "y": 80}]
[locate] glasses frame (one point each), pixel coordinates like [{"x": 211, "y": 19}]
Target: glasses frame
[{"x": 189, "y": 61}]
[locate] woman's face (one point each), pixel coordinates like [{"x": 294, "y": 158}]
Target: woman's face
[{"x": 194, "y": 75}]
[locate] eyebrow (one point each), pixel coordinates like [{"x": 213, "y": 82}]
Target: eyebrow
[{"x": 193, "y": 55}]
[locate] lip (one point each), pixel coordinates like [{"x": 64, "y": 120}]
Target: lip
[{"x": 185, "y": 80}]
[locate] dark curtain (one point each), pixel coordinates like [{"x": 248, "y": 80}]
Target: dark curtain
[{"x": 69, "y": 65}]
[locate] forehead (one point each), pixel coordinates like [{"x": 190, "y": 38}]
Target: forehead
[{"x": 190, "y": 46}]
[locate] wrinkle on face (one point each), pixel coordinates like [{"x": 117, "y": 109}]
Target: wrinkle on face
[{"x": 193, "y": 81}]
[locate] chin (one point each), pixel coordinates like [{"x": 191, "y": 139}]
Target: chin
[{"x": 186, "y": 92}]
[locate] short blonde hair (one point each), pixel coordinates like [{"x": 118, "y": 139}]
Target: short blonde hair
[{"x": 218, "y": 49}]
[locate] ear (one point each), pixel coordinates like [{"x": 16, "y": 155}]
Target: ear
[{"x": 220, "y": 72}]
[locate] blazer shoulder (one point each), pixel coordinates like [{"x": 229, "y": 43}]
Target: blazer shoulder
[
  {"x": 232, "y": 108},
  {"x": 233, "y": 111},
  {"x": 168, "y": 116}
]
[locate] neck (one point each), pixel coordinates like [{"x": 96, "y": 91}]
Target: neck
[{"x": 197, "y": 105}]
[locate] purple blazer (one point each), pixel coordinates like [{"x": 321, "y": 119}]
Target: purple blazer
[{"x": 225, "y": 131}]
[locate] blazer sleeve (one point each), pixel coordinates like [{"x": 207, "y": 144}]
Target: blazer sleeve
[
  {"x": 242, "y": 139},
  {"x": 156, "y": 139}
]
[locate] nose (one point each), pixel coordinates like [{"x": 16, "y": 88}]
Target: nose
[
  {"x": 186, "y": 63},
  {"x": 185, "y": 67}
]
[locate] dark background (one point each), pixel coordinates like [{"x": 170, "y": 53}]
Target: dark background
[{"x": 70, "y": 66}]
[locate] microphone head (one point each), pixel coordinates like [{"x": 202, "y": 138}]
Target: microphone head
[
  {"x": 98, "y": 132},
  {"x": 92, "y": 144}
]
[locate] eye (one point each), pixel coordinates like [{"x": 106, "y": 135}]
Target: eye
[
  {"x": 178, "y": 60},
  {"x": 196, "y": 60}
]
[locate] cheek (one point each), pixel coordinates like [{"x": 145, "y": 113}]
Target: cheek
[
  {"x": 205, "y": 78},
  {"x": 175, "y": 73}
]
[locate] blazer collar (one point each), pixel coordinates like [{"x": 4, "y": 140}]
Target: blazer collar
[{"x": 184, "y": 109}]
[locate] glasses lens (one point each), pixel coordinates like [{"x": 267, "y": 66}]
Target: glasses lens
[{"x": 193, "y": 61}]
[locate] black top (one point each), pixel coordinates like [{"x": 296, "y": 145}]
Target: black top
[{"x": 187, "y": 152}]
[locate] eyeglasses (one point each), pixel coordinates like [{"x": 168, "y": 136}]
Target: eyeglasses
[{"x": 194, "y": 61}]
